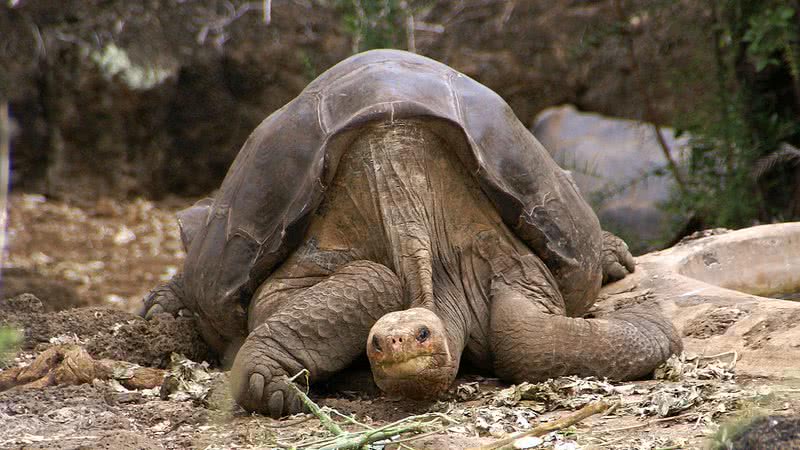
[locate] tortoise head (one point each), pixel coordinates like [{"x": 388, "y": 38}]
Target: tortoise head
[{"x": 410, "y": 354}]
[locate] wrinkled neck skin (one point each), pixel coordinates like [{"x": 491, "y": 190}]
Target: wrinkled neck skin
[
  {"x": 451, "y": 309},
  {"x": 425, "y": 202}
]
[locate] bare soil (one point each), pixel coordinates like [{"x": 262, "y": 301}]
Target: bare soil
[{"x": 90, "y": 264}]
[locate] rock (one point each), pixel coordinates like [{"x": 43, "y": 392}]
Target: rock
[
  {"x": 58, "y": 294},
  {"x": 619, "y": 168},
  {"x": 716, "y": 291}
]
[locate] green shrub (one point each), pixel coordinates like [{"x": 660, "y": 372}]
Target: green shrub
[{"x": 739, "y": 171}]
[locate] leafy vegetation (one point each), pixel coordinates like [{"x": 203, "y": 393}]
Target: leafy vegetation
[
  {"x": 743, "y": 165},
  {"x": 375, "y": 23},
  {"x": 10, "y": 340}
]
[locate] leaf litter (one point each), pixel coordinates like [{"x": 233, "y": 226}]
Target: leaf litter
[{"x": 688, "y": 388}]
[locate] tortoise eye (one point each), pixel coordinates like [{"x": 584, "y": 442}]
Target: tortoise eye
[
  {"x": 423, "y": 334},
  {"x": 375, "y": 344}
]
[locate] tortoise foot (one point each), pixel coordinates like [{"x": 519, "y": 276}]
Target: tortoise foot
[
  {"x": 260, "y": 384},
  {"x": 617, "y": 259}
]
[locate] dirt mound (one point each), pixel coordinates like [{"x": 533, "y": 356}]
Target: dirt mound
[
  {"x": 714, "y": 323},
  {"x": 90, "y": 416},
  {"x": 105, "y": 332}
]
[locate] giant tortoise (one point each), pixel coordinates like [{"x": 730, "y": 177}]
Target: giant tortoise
[{"x": 399, "y": 207}]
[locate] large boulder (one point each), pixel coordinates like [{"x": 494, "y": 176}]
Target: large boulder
[
  {"x": 620, "y": 169},
  {"x": 725, "y": 292}
]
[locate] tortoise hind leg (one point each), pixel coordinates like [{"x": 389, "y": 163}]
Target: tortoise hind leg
[
  {"x": 316, "y": 323},
  {"x": 532, "y": 340},
  {"x": 165, "y": 298}
]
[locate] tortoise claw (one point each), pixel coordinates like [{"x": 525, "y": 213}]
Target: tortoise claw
[
  {"x": 166, "y": 298},
  {"x": 617, "y": 260},
  {"x": 270, "y": 396},
  {"x": 259, "y": 383},
  {"x": 155, "y": 309},
  {"x": 256, "y": 387}
]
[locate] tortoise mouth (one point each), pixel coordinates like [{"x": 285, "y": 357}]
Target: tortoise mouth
[
  {"x": 422, "y": 377},
  {"x": 409, "y": 366}
]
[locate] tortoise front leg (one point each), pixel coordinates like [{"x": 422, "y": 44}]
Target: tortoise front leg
[
  {"x": 322, "y": 328},
  {"x": 532, "y": 340}
]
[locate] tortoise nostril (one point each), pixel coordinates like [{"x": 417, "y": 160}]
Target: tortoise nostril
[
  {"x": 375, "y": 344},
  {"x": 423, "y": 334}
]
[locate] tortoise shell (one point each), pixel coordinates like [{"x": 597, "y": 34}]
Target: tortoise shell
[{"x": 279, "y": 177}]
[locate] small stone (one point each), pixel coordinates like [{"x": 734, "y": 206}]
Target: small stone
[
  {"x": 528, "y": 442},
  {"x": 124, "y": 236},
  {"x": 114, "y": 299}
]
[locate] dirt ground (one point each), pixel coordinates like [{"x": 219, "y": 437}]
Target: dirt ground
[{"x": 89, "y": 266}]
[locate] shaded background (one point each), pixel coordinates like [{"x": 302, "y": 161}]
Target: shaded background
[{"x": 123, "y": 99}]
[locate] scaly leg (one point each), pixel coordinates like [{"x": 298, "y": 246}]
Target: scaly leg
[
  {"x": 316, "y": 323},
  {"x": 533, "y": 340}
]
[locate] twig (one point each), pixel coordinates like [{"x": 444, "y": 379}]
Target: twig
[
  {"x": 324, "y": 418},
  {"x": 358, "y": 439},
  {"x": 644, "y": 424},
  {"x": 719, "y": 355},
  {"x": 587, "y": 411},
  {"x": 410, "y": 28},
  {"x": 289, "y": 424},
  {"x": 508, "y": 9}
]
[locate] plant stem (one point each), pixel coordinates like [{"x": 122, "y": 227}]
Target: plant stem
[{"x": 324, "y": 418}]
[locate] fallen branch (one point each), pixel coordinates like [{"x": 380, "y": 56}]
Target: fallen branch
[
  {"x": 342, "y": 439},
  {"x": 564, "y": 422}
]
